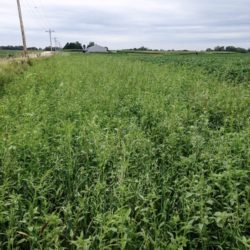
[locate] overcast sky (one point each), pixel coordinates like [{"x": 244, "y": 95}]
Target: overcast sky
[{"x": 161, "y": 24}]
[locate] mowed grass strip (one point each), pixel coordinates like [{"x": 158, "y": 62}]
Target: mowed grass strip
[{"x": 112, "y": 152}]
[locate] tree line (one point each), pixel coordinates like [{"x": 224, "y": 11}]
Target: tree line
[
  {"x": 10, "y": 47},
  {"x": 229, "y": 49},
  {"x": 78, "y": 46}
]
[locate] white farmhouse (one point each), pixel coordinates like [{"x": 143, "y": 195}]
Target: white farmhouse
[{"x": 96, "y": 49}]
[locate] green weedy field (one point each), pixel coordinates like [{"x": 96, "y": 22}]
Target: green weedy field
[{"x": 126, "y": 152}]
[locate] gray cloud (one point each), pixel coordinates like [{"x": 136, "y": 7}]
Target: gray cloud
[{"x": 178, "y": 24}]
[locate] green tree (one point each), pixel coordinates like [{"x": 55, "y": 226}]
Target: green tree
[
  {"x": 219, "y": 48},
  {"x": 234, "y": 49},
  {"x": 72, "y": 45}
]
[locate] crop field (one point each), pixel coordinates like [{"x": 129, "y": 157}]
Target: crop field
[
  {"x": 125, "y": 151},
  {"x": 9, "y": 53}
]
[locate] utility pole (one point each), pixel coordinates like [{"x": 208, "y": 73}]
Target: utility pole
[
  {"x": 22, "y": 28},
  {"x": 50, "y": 37}
]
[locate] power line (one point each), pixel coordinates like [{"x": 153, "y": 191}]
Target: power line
[
  {"x": 36, "y": 15},
  {"x": 40, "y": 12}
]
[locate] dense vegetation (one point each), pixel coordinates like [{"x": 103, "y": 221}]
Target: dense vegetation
[
  {"x": 126, "y": 152},
  {"x": 232, "y": 68},
  {"x": 11, "y": 69},
  {"x": 74, "y": 46}
]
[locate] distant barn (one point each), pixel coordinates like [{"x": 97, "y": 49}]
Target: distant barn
[{"x": 96, "y": 49}]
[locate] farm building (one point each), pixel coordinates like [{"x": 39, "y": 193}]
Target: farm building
[{"x": 96, "y": 49}]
